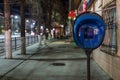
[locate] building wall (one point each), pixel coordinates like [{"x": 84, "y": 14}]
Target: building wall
[
  {"x": 98, "y": 7},
  {"x": 105, "y": 2},
  {"x": 118, "y": 25},
  {"x": 110, "y": 63}
]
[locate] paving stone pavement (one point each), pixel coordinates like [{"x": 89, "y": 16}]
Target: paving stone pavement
[{"x": 57, "y": 60}]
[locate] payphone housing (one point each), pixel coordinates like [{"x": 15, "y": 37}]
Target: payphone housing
[{"x": 89, "y": 31}]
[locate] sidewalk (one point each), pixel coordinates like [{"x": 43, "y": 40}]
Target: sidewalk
[
  {"x": 56, "y": 61},
  {"x": 7, "y": 65}
]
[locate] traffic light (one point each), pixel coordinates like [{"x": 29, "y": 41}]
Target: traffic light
[{"x": 71, "y": 15}]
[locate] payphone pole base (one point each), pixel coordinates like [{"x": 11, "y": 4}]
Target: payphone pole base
[{"x": 88, "y": 53}]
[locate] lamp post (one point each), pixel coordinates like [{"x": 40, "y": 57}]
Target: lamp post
[
  {"x": 12, "y": 19},
  {"x": 69, "y": 22}
]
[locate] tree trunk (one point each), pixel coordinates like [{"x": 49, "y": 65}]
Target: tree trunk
[
  {"x": 8, "y": 42},
  {"x": 23, "y": 40}
]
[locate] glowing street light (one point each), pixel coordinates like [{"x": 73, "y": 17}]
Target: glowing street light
[
  {"x": 41, "y": 27},
  {"x": 16, "y": 17}
]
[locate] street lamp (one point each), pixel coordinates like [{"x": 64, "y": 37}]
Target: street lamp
[
  {"x": 41, "y": 27},
  {"x": 12, "y": 19},
  {"x": 27, "y": 21},
  {"x": 16, "y": 17}
]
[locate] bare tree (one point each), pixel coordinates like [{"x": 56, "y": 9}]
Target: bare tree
[
  {"x": 23, "y": 40},
  {"x": 8, "y": 43}
]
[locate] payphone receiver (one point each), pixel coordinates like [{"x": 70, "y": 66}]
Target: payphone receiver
[{"x": 89, "y": 31}]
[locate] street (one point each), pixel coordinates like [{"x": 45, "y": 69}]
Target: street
[{"x": 58, "y": 60}]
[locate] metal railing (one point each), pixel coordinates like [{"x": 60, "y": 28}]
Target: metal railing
[{"x": 16, "y": 43}]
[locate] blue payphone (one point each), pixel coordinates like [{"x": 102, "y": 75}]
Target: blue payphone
[{"x": 89, "y": 31}]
